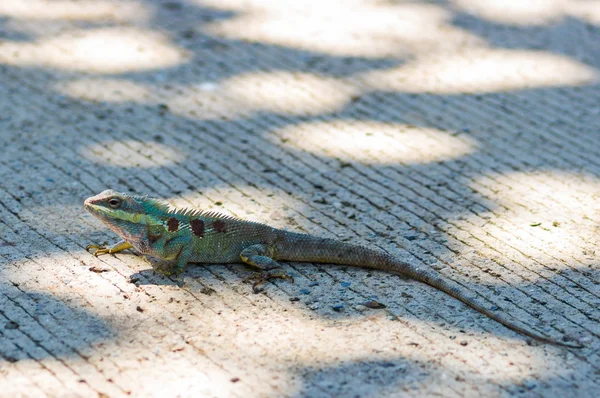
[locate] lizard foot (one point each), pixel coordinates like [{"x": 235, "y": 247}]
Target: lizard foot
[
  {"x": 171, "y": 272},
  {"x": 167, "y": 270},
  {"x": 97, "y": 250},
  {"x": 103, "y": 249},
  {"x": 261, "y": 279}
]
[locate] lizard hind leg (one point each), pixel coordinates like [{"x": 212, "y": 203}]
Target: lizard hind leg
[{"x": 260, "y": 258}]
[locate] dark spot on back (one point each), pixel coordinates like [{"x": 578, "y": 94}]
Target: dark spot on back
[
  {"x": 197, "y": 227},
  {"x": 220, "y": 226},
  {"x": 173, "y": 224}
]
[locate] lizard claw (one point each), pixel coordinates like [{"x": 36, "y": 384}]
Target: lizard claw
[
  {"x": 261, "y": 279},
  {"x": 98, "y": 250},
  {"x": 103, "y": 249},
  {"x": 168, "y": 271}
]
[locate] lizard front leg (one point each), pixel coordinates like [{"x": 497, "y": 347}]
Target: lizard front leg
[
  {"x": 260, "y": 258},
  {"x": 177, "y": 250},
  {"x": 117, "y": 247}
]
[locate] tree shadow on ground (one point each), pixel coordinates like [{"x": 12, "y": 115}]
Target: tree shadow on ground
[
  {"x": 36, "y": 325},
  {"x": 261, "y": 159},
  {"x": 373, "y": 378}
]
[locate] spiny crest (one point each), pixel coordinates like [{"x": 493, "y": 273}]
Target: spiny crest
[
  {"x": 153, "y": 205},
  {"x": 191, "y": 212},
  {"x": 216, "y": 214}
]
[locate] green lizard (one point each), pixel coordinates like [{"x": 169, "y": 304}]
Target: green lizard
[{"x": 186, "y": 236}]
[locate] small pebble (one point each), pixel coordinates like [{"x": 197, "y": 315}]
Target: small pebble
[
  {"x": 585, "y": 339},
  {"x": 163, "y": 108},
  {"x": 11, "y": 325},
  {"x": 375, "y": 305},
  {"x": 338, "y": 307},
  {"x": 528, "y": 384},
  {"x": 98, "y": 270},
  {"x": 304, "y": 291}
]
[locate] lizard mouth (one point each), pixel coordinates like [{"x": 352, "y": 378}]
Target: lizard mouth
[
  {"x": 91, "y": 207},
  {"x": 96, "y": 210}
]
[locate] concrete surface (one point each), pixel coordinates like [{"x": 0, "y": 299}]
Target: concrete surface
[{"x": 462, "y": 135}]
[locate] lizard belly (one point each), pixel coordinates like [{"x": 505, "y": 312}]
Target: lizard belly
[{"x": 220, "y": 252}]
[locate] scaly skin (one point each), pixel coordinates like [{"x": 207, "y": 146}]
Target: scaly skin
[{"x": 191, "y": 236}]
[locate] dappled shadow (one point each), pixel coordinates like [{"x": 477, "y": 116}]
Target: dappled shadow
[
  {"x": 375, "y": 378},
  {"x": 444, "y": 137},
  {"x": 531, "y": 14},
  {"x": 552, "y": 310},
  {"x": 368, "y": 378},
  {"x": 370, "y": 114},
  {"x": 36, "y": 325}
]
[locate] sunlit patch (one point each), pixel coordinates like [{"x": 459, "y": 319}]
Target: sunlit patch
[
  {"x": 105, "y": 90},
  {"x": 90, "y": 309},
  {"x": 278, "y": 92},
  {"x": 480, "y": 71},
  {"x": 357, "y": 28},
  {"x": 83, "y": 10},
  {"x": 100, "y": 317},
  {"x": 132, "y": 153},
  {"x": 517, "y": 12},
  {"x": 206, "y": 101},
  {"x": 545, "y": 215},
  {"x": 531, "y": 12},
  {"x": 588, "y": 10},
  {"x": 109, "y": 50},
  {"x": 375, "y": 143},
  {"x": 290, "y": 93}
]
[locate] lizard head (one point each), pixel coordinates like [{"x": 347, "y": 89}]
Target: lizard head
[{"x": 123, "y": 214}]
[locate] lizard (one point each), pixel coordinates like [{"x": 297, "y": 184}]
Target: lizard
[{"x": 186, "y": 235}]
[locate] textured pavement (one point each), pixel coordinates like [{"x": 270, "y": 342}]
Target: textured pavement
[{"x": 463, "y": 135}]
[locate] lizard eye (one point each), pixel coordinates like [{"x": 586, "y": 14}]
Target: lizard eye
[{"x": 114, "y": 203}]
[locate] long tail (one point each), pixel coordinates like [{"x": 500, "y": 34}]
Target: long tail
[
  {"x": 307, "y": 248},
  {"x": 452, "y": 288}
]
